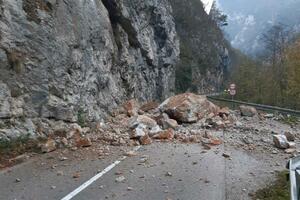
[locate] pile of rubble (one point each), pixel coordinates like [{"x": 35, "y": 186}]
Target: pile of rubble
[
  {"x": 152, "y": 121},
  {"x": 187, "y": 118}
]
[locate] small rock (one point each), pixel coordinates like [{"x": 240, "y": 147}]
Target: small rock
[
  {"x": 118, "y": 173},
  {"x": 206, "y": 181},
  {"x": 60, "y": 173},
  {"x": 129, "y": 188},
  {"x": 145, "y": 140},
  {"x": 170, "y": 123},
  {"x": 53, "y": 187},
  {"x": 165, "y": 135},
  {"x": 83, "y": 142},
  {"x": 274, "y": 152},
  {"x": 149, "y": 106},
  {"x": 18, "y": 180},
  {"x": 290, "y": 151},
  {"x": 289, "y": 136},
  {"x": 120, "y": 179},
  {"x": 226, "y": 155},
  {"x": 49, "y": 146},
  {"x": 168, "y": 174},
  {"x": 64, "y": 141},
  {"x": 224, "y": 111},
  {"x": 131, "y": 153},
  {"x": 292, "y": 144},
  {"x": 238, "y": 124},
  {"x": 63, "y": 158},
  {"x": 76, "y": 175},
  {"x": 215, "y": 142}
]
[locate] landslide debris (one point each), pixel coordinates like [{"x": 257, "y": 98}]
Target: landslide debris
[{"x": 185, "y": 118}]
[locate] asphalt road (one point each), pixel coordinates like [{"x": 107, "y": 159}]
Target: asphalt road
[{"x": 160, "y": 171}]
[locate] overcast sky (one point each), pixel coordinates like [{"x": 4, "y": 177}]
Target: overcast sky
[{"x": 208, "y": 4}]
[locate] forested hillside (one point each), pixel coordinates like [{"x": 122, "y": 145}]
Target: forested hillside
[
  {"x": 274, "y": 78},
  {"x": 204, "y": 57}
]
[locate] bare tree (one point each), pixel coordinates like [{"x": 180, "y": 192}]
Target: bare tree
[{"x": 276, "y": 41}]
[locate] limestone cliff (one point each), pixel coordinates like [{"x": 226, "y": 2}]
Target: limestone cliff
[
  {"x": 75, "y": 61},
  {"x": 65, "y": 58}
]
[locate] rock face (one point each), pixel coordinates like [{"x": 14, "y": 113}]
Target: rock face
[
  {"x": 204, "y": 53},
  {"x": 78, "y": 59},
  {"x": 188, "y": 107},
  {"x": 75, "y": 61}
]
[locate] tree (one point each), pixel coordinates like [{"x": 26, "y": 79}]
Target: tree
[
  {"x": 217, "y": 16},
  {"x": 276, "y": 41},
  {"x": 293, "y": 71}
]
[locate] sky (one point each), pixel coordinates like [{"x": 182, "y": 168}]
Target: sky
[
  {"x": 249, "y": 19},
  {"x": 207, "y": 4}
]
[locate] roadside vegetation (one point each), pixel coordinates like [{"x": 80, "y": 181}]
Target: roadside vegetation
[
  {"x": 272, "y": 78},
  {"x": 11, "y": 149},
  {"x": 279, "y": 190}
]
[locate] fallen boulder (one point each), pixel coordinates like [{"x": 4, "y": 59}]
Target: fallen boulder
[
  {"x": 248, "y": 111},
  {"x": 281, "y": 142},
  {"x": 165, "y": 135},
  {"x": 142, "y": 125},
  {"x": 188, "y": 107}
]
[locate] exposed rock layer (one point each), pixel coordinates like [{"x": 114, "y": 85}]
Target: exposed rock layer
[{"x": 76, "y": 60}]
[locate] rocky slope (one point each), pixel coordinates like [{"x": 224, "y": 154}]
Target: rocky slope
[
  {"x": 204, "y": 52},
  {"x": 75, "y": 61},
  {"x": 70, "y": 59}
]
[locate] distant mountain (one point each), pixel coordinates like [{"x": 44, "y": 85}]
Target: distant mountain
[{"x": 248, "y": 20}]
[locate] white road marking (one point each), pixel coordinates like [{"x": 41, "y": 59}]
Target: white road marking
[{"x": 96, "y": 177}]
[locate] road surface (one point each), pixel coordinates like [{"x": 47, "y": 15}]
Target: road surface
[{"x": 160, "y": 171}]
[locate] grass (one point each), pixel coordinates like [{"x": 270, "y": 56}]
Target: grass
[
  {"x": 81, "y": 117},
  {"x": 279, "y": 190},
  {"x": 290, "y": 120},
  {"x": 16, "y": 147}
]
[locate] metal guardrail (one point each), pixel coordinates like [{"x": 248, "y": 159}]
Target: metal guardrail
[
  {"x": 258, "y": 106},
  {"x": 294, "y": 171}
]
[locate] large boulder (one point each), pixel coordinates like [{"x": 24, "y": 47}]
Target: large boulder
[
  {"x": 281, "y": 142},
  {"x": 142, "y": 125},
  {"x": 188, "y": 107},
  {"x": 248, "y": 111}
]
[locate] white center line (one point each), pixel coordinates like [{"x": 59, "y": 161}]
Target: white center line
[{"x": 96, "y": 177}]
